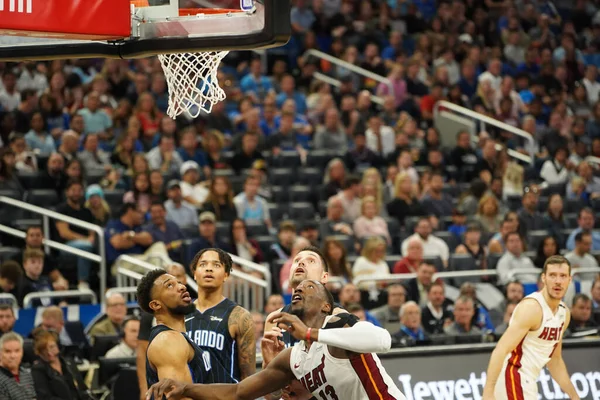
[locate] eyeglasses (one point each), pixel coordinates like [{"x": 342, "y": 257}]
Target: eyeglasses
[{"x": 531, "y": 189}]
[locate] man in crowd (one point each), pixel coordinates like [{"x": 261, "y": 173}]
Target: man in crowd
[
  {"x": 580, "y": 257},
  {"x": 389, "y": 314},
  {"x": 70, "y": 333},
  {"x": 514, "y": 260},
  {"x": 351, "y": 295},
  {"x": 250, "y": 206},
  {"x": 54, "y": 177},
  {"x": 334, "y": 224},
  {"x": 411, "y": 331},
  {"x": 7, "y": 318},
  {"x": 432, "y": 246},
  {"x": 274, "y": 303},
  {"x": 464, "y": 309},
  {"x": 585, "y": 222},
  {"x": 116, "y": 310},
  {"x": 416, "y": 288},
  {"x": 349, "y": 197},
  {"x": 435, "y": 315},
  {"x": 164, "y": 157},
  {"x": 163, "y": 230},
  {"x": 128, "y": 345},
  {"x": 581, "y": 314},
  {"x": 124, "y": 235},
  {"x": 529, "y": 216},
  {"x": 16, "y": 382},
  {"x": 208, "y": 234},
  {"x": 33, "y": 279},
  {"x": 178, "y": 211},
  {"x": 10, "y": 276}
]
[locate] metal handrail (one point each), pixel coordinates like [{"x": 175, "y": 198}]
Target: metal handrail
[
  {"x": 523, "y": 271},
  {"x": 13, "y": 301},
  {"x": 59, "y": 294},
  {"x": 436, "y": 276},
  {"x": 487, "y": 120},
  {"x": 121, "y": 290},
  {"x": 350, "y": 67},
  {"x": 46, "y": 214},
  {"x": 577, "y": 271},
  {"x": 337, "y": 83}
]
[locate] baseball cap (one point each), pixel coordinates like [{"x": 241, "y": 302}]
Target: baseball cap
[
  {"x": 94, "y": 190},
  {"x": 188, "y": 165},
  {"x": 173, "y": 183},
  {"x": 465, "y": 38},
  {"x": 207, "y": 216}
]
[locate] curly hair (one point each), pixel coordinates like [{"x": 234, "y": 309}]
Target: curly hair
[
  {"x": 224, "y": 257},
  {"x": 144, "y": 289}
]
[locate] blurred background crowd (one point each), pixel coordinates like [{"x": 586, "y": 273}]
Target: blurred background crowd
[{"x": 305, "y": 151}]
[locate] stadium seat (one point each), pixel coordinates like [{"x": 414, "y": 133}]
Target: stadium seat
[
  {"x": 514, "y": 202},
  {"x": 228, "y": 173},
  {"x": 554, "y": 189},
  {"x": 223, "y": 229},
  {"x": 190, "y": 232},
  {"x": 447, "y": 237},
  {"x": 279, "y": 194},
  {"x": 125, "y": 386},
  {"x": 301, "y": 211},
  {"x": 462, "y": 262},
  {"x": 347, "y": 241},
  {"x": 451, "y": 190},
  {"x": 43, "y": 197},
  {"x": 13, "y": 194},
  {"x": 278, "y": 212},
  {"x": 286, "y": 159},
  {"x": 435, "y": 261},
  {"x": 391, "y": 260},
  {"x": 114, "y": 197},
  {"x": 29, "y": 180},
  {"x": 310, "y": 176},
  {"x": 265, "y": 242},
  {"x": 492, "y": 260},
  {"x": 323, "y": 209},
  {"x": 94, "y": 177},
  {"x": 319, "y": 158},
  {"x": 282, "y": 176},
  {"x": 542, "y": 204},
  {"x": 573, "y": 206},
  {"x": 300, "y": 193},
  {"x": 256, "y": 229},
  {"x": 534, "y": 238},
  {"x": 7, "y": 253}
]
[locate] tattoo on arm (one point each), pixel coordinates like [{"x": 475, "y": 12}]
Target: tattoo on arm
[{"x": 242, "y": 326}]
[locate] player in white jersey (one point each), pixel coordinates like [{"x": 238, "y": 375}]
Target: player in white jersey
[
  {"x": 533, "y": 340},
  {"x": 333, "y": 364}
]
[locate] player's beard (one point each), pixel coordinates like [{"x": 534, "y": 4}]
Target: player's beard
[
  {"x": 298, "y": 312},
  {"x": 182, "y": 310}
]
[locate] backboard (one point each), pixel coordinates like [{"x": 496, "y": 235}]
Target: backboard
[{"x": 55, "y": 29}]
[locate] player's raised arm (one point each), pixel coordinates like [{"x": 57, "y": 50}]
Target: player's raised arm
[
  {"x": 240, "y": 321},
  {"x": 527, "y": 317},
  {"x": 558, "y": 369},
  {"x": 169, "y": 354},
  {"x": 276, "y": 376}
]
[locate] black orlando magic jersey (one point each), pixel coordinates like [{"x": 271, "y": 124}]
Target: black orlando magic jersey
[
  {"x": 200, "y": 366},
  {"x": 344, "y": 318},
  {"x": 210, "y": 331}
]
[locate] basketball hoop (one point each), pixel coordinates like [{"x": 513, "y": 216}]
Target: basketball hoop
[{"x": 192, "y": 77}]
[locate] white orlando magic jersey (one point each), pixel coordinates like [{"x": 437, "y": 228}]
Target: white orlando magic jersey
[
  {"x": 523, "y": 365},
  {"x": 328, "y": 378}
]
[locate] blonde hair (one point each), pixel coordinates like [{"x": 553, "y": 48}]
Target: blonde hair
[
  {"x": 370, "y": 245},
  {"x": 485, "y": 199},
  {"x": 368, "y": 199},
  {"x": 401, "y": 177},
  {"x": 373, "y": 172}
]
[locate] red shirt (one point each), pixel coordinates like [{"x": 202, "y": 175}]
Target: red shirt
[{"x": 405, "y": 266}]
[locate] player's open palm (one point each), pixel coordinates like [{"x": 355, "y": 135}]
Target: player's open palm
[
  {"x": 169, "y": 388},
  {"x": 270, "y": 345}
]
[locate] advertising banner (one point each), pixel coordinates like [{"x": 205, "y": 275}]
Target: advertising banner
[{"x": 460, "y": 374}]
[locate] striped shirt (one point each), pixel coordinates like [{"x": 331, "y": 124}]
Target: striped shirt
[{"x": 10, "y": 389}]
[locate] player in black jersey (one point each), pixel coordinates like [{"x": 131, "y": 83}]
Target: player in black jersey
[
  {"x": 310, "y": 264},
  {"x": 171, "y": 354},
  {"x": 219, "y": 325}
]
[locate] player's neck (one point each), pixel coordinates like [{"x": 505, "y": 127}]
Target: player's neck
[
  {"x": 175, "y": 322},
  {"x": 552, "y": 302},
  {"x": 315, "y": 321},
  {"x": 208, "y": 298}
]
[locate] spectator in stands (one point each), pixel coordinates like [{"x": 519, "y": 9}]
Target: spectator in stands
[
  {"x": 389, "y": 314},
  {"x": 514, "y": 260},
  {"x": 404, "y": 163},
  {"x": 334, "y": 224},
  {"x": 554, "y": 218},
  {"x": 371, "y": 262},
  {"x": 473, "y": 247},
  {"x": 488, "y": 161},
  {"x": 94, "y": 201},
  {"x": 157, "y": 187},
  {"x": 96, "y": 120},
  {"x": 53, "y": 375},
  {"x": 548, "y": 247},
  {"x": 16, "y": 382},
  {"x": 336, "y": 256},
  {"x": 436, "y": 314},
  {"x": 335, "y": 176},
  {"x": 497, "y": 242},
  {"x": 380, "y": 138},
  {"x": 70, "y": 333},
  {"x": 331, "y": 135},
  {"x": 164, "y": 231},
  {"x": 508, "y": 312},
  {"x": 481, "y": 319},
  {"x": 128, "y": 345},
  {"x": 585, "y": 221},
  {"x": 7, "y": 319},
  {"x": 596, "y": 299},
  {"x": 9, "y": 95},
  {"x": 288, "y": 91},
  {"x": 33, "y": 279},
  {"x": 286, "y": 236},
  {"x": 411, "y": 329},
  {"x": 249, "y": 153},
  {"x": 255, "y": 84},
  {"x": 459, "y": 223},
  {"x": 413, "y": 258},
  {"x": 592, "y": 183},
  {"x": 580, "y": 257},
  {"x": 25, "y": 160},
  {"x": 68, "y": 145},
  {"x": 464, "y": 310},
  {"x": 193, "y": 191},
  {"x": 529, "y": 216},
  {"x": 488, "y": 214},
  {"x": 8, "y": 176},
  {"x": 124, "y": 235},
  {"x": 581, "y": 314},
  {"x": 164, "y": 157},
  {"x": 92, "y": 158},
  {"x": 38, "y": 139},
  {"x": 10, "y": 277},
  {"x": 557, "y": 170},
  {"x": 463, "y": 157},
  {"x": 432, "y": 246},
  {"x": 54, "y": 176},
  {"x": 179, "y": 211},
  {"x": 350, "y": 295},
  {"x": 436, "y": 202},
  {"x": 207, "y": 229},
  {"x": 251, "y": 207},
  {"x": 116, "y": 310},
  {"x": 243, "y": 246},
  {"x": 274, "y": 302},
  {"x": 220, "y": 199},
  {"x": 189, "y": 151},
  {"x": 405, "y": 203},
  {"x": 416, "y": 288},
  {"x": 259, "y": 328},
  {"x": 213, "y": 144},
  {"x": 361, "y": 156},
  {"x": 370, "y": 223}
]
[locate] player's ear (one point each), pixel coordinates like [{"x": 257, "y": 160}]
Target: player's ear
[
  {"x": 155, "y": 305},
  {"x": 326, "y": 309}
]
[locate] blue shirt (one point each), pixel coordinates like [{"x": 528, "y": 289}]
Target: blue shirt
[
  {"x": 116, "y": 226},
  {"x": 171, "y": 234},
  {"x": 260, "y": 86},
  {"x": 298, "y": 98},
  {"x": 95, "y": 122},
  {"x": 198, "y": 156},
  {"x": 595, "y": 240},
  {"x": 427, "y": 8},
  {"x": 45, "y": 144}
]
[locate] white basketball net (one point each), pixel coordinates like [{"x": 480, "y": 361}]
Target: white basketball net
[{"x": 192, "y": 81}]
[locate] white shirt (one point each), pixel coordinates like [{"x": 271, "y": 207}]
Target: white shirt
[
  {"x": 587, "y": 261},
  {"x": 432, "y": 247},
  {"x": 593, "y": 90},
  {"x": 553, "y": 173},
  {"x": 496, "y": 80},
  {"x": 120, "y": 351},
  {"x": 388, "y": 140},
  {"x": 198, "y": 192},
  {"x": 10, "y": 101},
  {"x": 363, "y": 266},
  {"x": 509, "y": 262}
]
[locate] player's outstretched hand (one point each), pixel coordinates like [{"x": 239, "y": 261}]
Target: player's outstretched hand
[
  {"x": 166, "y": 387},
  {"x": 290, "y": 323}
]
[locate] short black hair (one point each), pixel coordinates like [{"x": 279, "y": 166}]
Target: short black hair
[
  {"x": 157, "y": 203},
  {"x": 585, "y": 210},
  {"x": 6, "y": 306},
  {"x": 315, "y": 249},
  {"x": 30, "y": 227},
  {"x": 144, "y": 289},
  {"x": 579, "y": 236},
  {"x": 224, "y": 257},
  {"x": 581, "y": 297},
  {"x": 73, "y": 182},
  {"x": 126, "y": 207},
  {"x": 11, "y": 271},
  {"x": 351, "y": 181}
]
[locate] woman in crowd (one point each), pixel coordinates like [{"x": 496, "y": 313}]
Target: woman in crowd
[
  {"x": 149, "y": 116},
  {"x": 371, "y": 262},
  {"x": 123, "y": 154},
  {"x": 38, "y": 137},
  {"x": 488, "y": 214},
  {"x": 241, "y": 245},
  {"x": 473, "y": 247},
  {"x": 554, "y": 218},
  {"x": 336, "y": 256},
  {"x": 405, "y": 204},
  {"x": 140, "y": 193},
  {"x": 157, "y": 187},
  {"x": 335, "y": 175},
  {"x": 214, "y": 143},
  {"x": 74, "y": 170},
  {"x": 370, "y": 223},
  {"x": 548, "y": 247},
  {"x": 94, "y": 201},
  {"x": 220, "y": 199}
]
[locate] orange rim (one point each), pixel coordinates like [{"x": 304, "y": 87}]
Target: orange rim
[{"x": 183, "y": 12}]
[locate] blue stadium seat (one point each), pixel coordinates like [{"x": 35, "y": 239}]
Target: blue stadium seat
[{"x": 301, "y": 211}]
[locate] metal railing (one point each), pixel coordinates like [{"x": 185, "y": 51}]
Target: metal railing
[
  {"x": 438, "y": 275},
  {"x": 46, "y": 215},
  {"x": 337, "y": 83},
  {"x": 9, "y": 298},
  {"x": 483, "y": 120},
  {"x": 127, "y": 292},
  {"x": 59, "y": 295}
]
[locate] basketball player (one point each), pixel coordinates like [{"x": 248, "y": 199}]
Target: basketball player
[
  {"x": 533, "y": 340},
  {"x": 218, "y": 325},
  {"x": 331, "y": 363},
  {"x": 171, "y": 354}
]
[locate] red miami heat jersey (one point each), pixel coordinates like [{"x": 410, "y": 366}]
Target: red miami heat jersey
[
  {"x": 523, "y": 365},
  {"x": 328, "y": 378}
]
